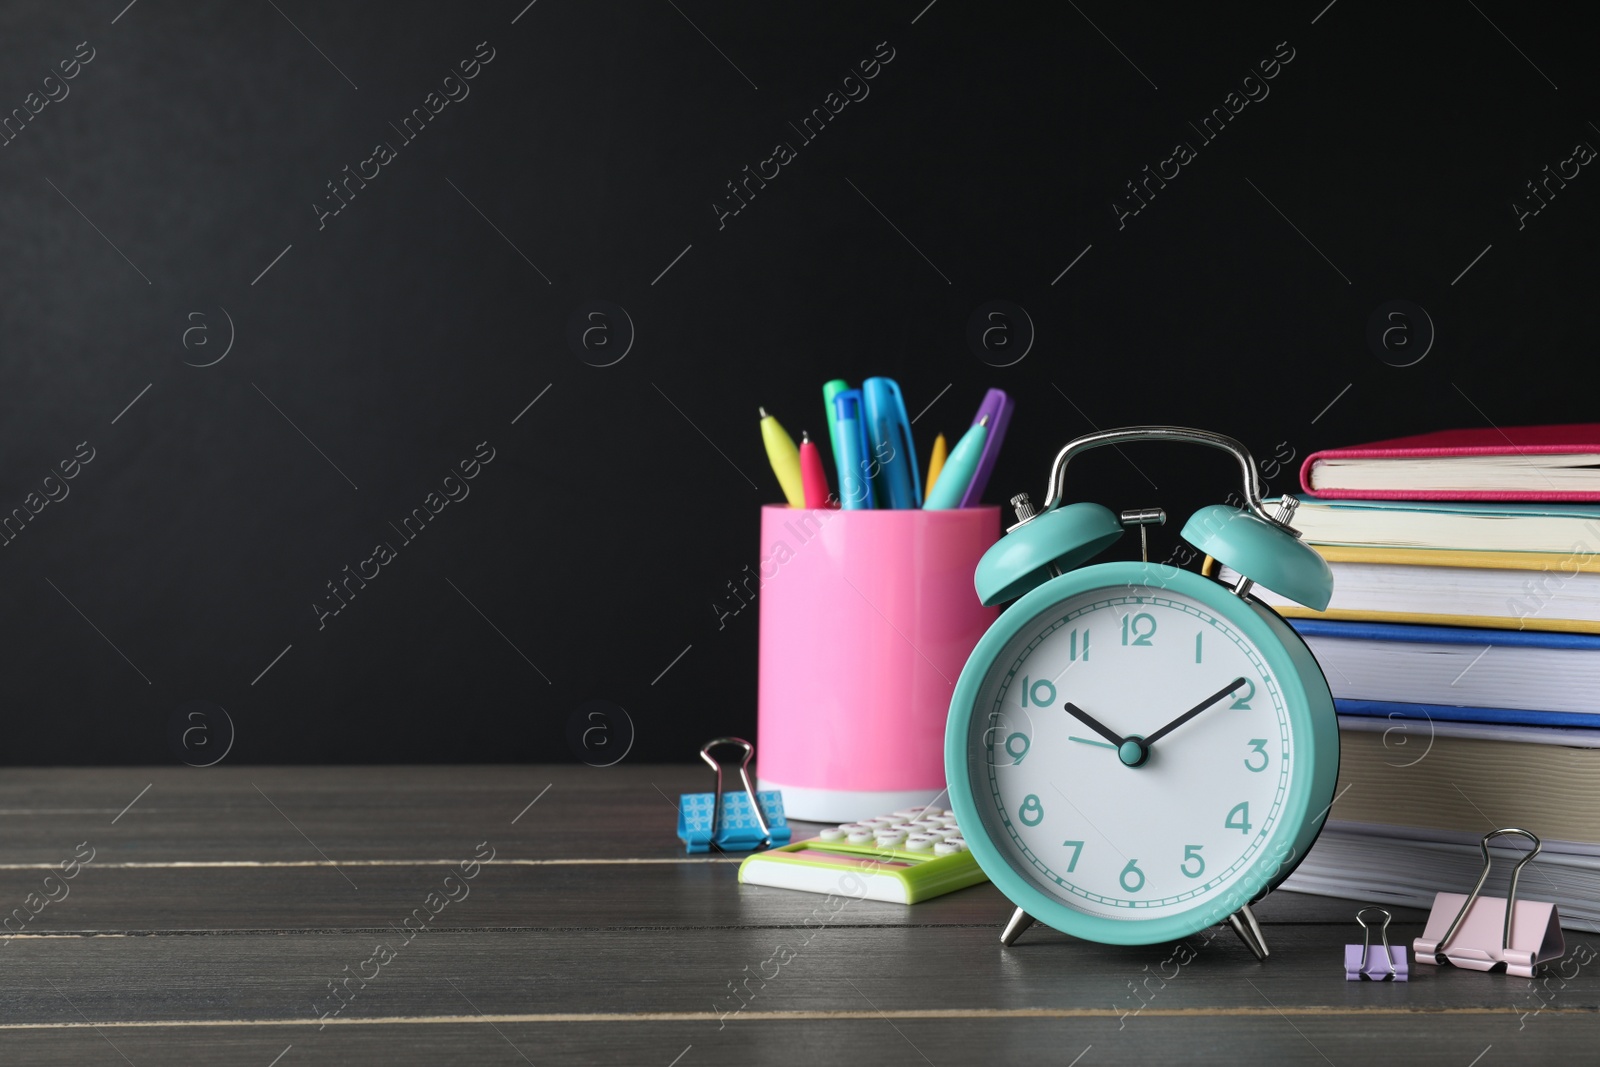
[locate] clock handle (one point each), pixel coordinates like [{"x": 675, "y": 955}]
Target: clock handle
[
  {"x": 1016, "y": 927},
  {"x": 1252, "y": 479}
]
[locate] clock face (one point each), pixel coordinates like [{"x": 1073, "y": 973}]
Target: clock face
[{"x": 1142, "y": 831}]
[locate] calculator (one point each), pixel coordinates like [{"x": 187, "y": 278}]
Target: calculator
[{"x": 904, "y": 857}]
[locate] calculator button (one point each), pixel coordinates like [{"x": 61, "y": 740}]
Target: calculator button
[
  {"x": 833, "y": 833},
  {"x": 860, "y": 837},
  {"x": 945, "y": 848},
  {"x": 920, "y": 843},
  {"x": 891, "y": 838},
  {"x": 908, "y": 813},
  {"x": 959, "y": 843},
  {"x": 883, "y": 820}
]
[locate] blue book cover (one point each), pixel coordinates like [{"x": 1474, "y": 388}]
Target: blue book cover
[
  {"x": 1394, "y": 709},
  {"x": 1443, "y": 635},
  {"x": 1480, "y": 693}
]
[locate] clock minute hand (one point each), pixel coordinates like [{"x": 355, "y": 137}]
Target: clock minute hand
[
  {"x": 1192, "y": 712},
  {"x": 1091, "y": 722}
]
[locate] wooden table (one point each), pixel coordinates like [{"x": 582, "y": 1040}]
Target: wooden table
[{"x": 221, "y": 906}]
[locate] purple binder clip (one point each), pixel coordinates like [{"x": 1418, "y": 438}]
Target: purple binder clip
[
  {"x": 998, "y": 406},
  {"x": 1361, "y": 964},
  {"x": 1529, "y": 932}
]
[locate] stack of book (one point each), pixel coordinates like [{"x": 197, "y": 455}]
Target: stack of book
[{"x": 1462, "y": 646}]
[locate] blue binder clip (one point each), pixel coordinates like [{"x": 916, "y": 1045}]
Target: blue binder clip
[{"x": 731, "y": 822}]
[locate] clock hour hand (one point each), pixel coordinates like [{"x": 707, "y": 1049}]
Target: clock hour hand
[
  {"x": 1226, "y": 690},
  {"x": 1091, "y": 722}
]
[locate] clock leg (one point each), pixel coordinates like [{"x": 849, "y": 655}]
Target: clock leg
[
  {"x": 1244, "y": 924},
  {"x": 1020, "y": 921}
]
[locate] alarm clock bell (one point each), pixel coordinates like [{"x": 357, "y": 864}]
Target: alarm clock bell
[
  {"x": 1267, "y": 551},
  {"x": 1042, "y": 546}
]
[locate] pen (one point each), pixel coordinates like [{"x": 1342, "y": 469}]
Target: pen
[
  {"x": 855, "y": 488},
  {"x": 785, "y": 459},
  {"x": 997, "y": 407},
  {"x": 813, "y": 479},
  {"x": 829, "y": 391},
  {"x": 936, "y": 462},
  {"x": 896, "y": 483},
  {"x": 960, "y": 467}
]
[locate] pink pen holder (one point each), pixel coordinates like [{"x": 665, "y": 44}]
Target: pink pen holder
[{"x": 867, "y": 618}]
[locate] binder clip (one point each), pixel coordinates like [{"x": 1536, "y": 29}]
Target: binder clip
[
  {"x": 1360, "y": 965},
  {"x": 731, "y": 822},
  {"x": 1529, "y": 932}
]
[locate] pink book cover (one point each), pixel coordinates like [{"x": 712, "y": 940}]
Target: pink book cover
[{"x": 1579, "y": 438}]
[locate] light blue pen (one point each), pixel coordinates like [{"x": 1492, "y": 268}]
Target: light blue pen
[
  {"x": 855, "y": 488},
  {"x": 897, "y": 483},
  {"x": 959, "y": 468}
]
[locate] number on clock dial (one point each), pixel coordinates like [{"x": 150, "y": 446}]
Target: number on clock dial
[
  {"x": 1042, "y": 694},
  {"x": 1132, "y": 874},
  {"x": 1241, "y": 699},
  {"x": 1142, "y": 626}
]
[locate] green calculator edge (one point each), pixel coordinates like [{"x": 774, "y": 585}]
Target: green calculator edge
[{"x": 928, "y": 878}]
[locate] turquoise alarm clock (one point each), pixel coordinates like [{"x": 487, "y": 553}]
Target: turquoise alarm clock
[{"x": 1136, "y": 752}]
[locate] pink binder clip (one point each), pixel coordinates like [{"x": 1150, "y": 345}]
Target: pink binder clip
[
  {"x": 1361, "y": 964},
  {"x": 1530, "y": 932}
]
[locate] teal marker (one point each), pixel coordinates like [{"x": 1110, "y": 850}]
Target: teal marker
[
  {"x": 959, "y": 468},
  {"x": 829, "y": 391}
]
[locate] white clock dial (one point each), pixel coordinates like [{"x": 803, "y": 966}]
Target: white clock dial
[{"x": 1063, "y": 805}]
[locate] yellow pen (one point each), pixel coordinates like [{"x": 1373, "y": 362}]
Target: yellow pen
[
  {"x": 936, "y": 462},
  {"x": 784, "y": 457}
]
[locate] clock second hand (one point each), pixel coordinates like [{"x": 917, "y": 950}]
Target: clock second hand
[{"x": 1091, "y": 722}]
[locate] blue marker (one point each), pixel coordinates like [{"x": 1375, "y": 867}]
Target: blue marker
[
  {"x": 855, "y": 487},
  {"x": 897, "y": 483}
]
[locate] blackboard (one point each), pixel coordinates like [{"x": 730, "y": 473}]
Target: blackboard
[{"x": 279, "y": 275}]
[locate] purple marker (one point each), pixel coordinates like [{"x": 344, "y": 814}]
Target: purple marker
[{"x": 998, "y": 407}]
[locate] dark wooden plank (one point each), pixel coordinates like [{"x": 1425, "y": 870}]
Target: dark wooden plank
[
  {"x": 1297, "y": 1041},
  {"x": 715, "y": 973},
  {"x": 286, "y": 813},
  {"x": 698, "y": 894}
]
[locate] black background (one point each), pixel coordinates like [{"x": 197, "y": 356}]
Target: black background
[{"x": 600, "y": 540}]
